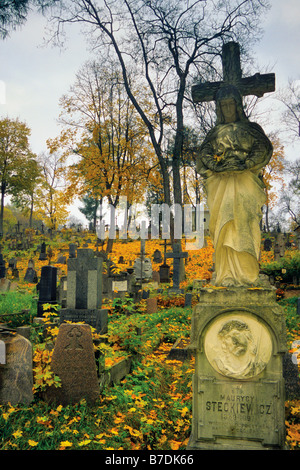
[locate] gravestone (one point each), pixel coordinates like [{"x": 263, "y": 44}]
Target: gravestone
[
  {"x": 238, "y": 332},
  {"x": 239, "y": 338},
  {"x": 31, "y": 274},
  {"x": 16, "y": 377},
  {"x": 157, "y": 257},
  {"x": 164, "y": 273},
  {"x": 73, "y": 361},
  {"x": 267, "y": 244},
  {"x": 84, "y": 291},
  {"x": 177, "y": 255},
  {"x": 2, "y": 267},
  {"x": 142, "y": 265},
  {"x": 43, "y": 254},
  {"x": 47, "y": 288}
]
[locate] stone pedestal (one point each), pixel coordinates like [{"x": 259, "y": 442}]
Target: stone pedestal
[{"x": 239, "y": 338}]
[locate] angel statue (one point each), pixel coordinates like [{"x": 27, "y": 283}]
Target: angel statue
[{"x": 231, "y": 160}]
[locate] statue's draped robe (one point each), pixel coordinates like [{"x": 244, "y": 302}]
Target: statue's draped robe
[{"x": 230, "y": 160}]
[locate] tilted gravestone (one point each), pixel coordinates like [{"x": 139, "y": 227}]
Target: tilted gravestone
[
  {"x": 84, "y": 291},
  {"x": 73, "y": 361},
  {"x": 16, "y": 376}
]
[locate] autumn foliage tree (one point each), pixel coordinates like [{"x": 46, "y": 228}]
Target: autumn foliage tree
[
  {"x": 17, "y": 162},
  {"x": 104, "y": 140}
]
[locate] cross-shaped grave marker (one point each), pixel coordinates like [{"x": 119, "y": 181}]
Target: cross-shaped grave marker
[
  {"x": 257, "y": 85},
  {"x": 176, "y": 255}
]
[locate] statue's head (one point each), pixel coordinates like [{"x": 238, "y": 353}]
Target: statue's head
[{"x": 229, "y": 105}]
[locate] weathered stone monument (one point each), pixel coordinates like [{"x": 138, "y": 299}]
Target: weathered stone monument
[
  {"x": 16, "y": 376},
  {"x": 238, "y": 330},
  {"x": 176, "y": 255},
  {"x": 84, "y": 291},
  {"x": 142, "y": 265},
  {"x": 73, "y": 360}
]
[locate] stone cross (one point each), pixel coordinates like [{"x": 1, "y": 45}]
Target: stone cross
[
  {"x": 176, "y": 255},
  {"x": 256, "y": 85}
]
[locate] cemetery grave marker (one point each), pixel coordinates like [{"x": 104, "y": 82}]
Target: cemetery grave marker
[
  {"x": 84, "y": 291},
  {"x": 16, "y": 371},
  {"x": 73, "y": 361},
  {"x": 31, "y": 274},
  {"x": 238, "y": 332},
  {"x": 176, "y": 255},
  {"x": 47, "y": 288}
]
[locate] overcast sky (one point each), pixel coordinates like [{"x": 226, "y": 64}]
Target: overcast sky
[{"x": 35, "y": 77}]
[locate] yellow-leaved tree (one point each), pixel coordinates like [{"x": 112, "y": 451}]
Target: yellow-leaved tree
[{"x": 104, "y": 141}]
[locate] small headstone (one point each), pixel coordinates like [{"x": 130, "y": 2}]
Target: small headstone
[
  {"x": 73, "y": 360},
  {"x": 298, "y": 306},
  {"x": 164, "y": 273},
  {"x": 156, "y": 276},
  {"x": 43, "y": 254},
  {"x": 31, "y": 274},
  {"x": 16, "y": 372},
  {"x": 121, "y": 260},
  {"x": 157, "y": 257},
  {"x": 267, "y": 244},
  {"x": 143, "y": 268}
]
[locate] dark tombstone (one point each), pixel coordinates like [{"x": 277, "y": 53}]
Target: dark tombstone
[
  {"x": 298, "y": 306},
  {"x": 267, "y": 244},
  {"x": 121, "y": 260},
  {"x": 176, "y": 255},
  {"x": 164, "y": 273},
  {"x": 157, "y": 257},
  {"x": 291, "y": 377},
  {"x": 145, "y": 294},
  {"x": 2, "y": 267},
  {"x": 43, "y": 254},
  {"x": 47, "y": 288}
]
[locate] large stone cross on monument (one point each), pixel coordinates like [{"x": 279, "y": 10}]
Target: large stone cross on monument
[{"x": 257, "y": 85}]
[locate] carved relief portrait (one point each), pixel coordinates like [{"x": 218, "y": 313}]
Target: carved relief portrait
[{"x": 238, "y": 345}]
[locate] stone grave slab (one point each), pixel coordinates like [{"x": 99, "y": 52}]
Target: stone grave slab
[
  {"x": 73, "y": 360},
  {"x": 16, "y": 376}
]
